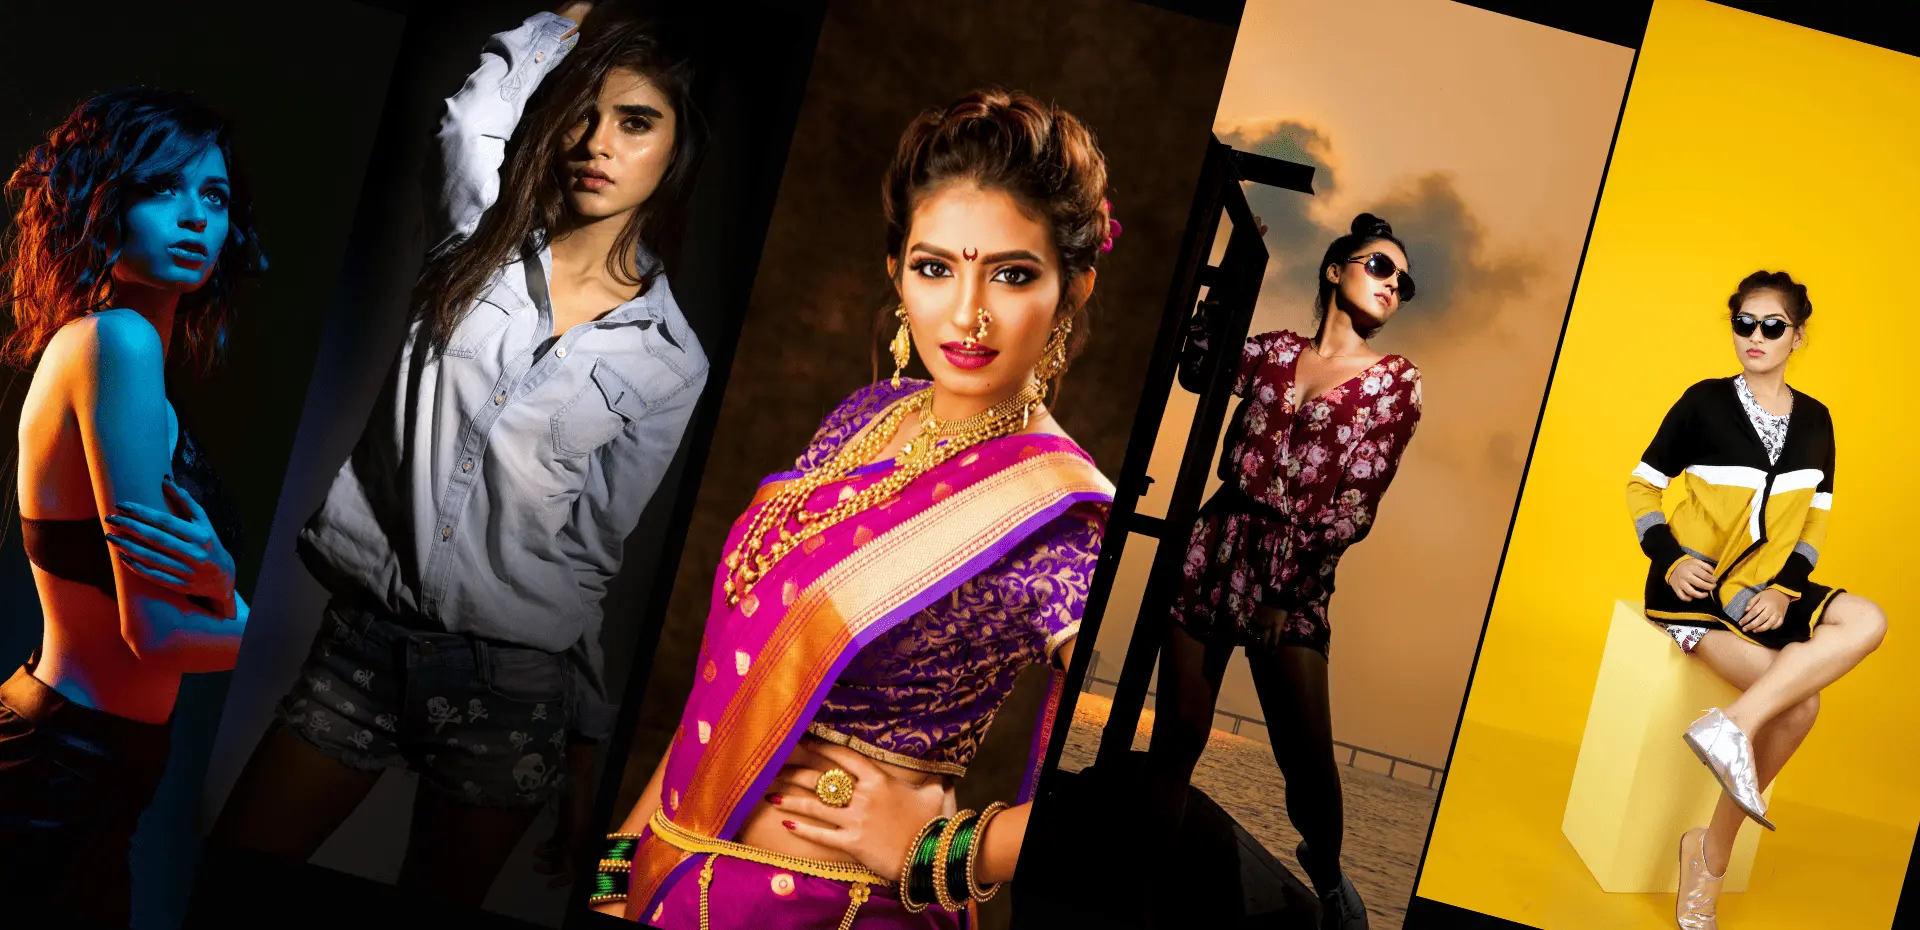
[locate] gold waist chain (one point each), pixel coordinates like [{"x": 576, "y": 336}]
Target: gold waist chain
[{"x": 860, "y": 881}]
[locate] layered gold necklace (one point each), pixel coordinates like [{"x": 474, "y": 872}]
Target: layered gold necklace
[{"x": 936, "y": 442}]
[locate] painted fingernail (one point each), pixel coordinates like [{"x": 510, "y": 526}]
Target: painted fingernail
[
  {"x": 773, "y": 799},
  {"x": 787, "y": 823}
]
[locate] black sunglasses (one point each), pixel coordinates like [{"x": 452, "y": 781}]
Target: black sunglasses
[
  {"x": 1772, "y": 327},
  {"x": 1380, "y": 267}
]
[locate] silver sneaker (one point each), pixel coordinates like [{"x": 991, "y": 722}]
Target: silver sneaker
[{"x": 1724, "y": 749}]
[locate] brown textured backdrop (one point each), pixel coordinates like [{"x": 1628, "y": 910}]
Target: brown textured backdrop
[{"x": 1147, "y": 80}]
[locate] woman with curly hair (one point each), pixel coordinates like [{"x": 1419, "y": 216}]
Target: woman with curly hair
[{"x": 134, "y": 226}]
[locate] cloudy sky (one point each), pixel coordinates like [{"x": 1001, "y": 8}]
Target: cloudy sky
[{"x": 1482, "y": 139}]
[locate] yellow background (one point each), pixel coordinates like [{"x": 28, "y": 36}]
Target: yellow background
[{"x": 1746, "y": 144}]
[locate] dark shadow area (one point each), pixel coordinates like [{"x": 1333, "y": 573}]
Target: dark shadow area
[{"x": 303, "y": 101}]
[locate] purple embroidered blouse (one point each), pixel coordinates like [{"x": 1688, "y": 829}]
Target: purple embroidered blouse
[{"x": 923, "y": 694}]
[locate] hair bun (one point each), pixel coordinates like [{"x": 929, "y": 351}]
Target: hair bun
[
  {"x": 1792, "y": 294},
  {"x": 1366, "y": 224}
]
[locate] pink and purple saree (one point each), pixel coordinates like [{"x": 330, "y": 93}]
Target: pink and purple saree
[{"x": 897, "y": 633}]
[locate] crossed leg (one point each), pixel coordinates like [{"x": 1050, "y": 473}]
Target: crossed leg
[{"x": 1780, "y": 694}]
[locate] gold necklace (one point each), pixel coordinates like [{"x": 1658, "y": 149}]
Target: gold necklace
[{"x": 935, "y": 443}]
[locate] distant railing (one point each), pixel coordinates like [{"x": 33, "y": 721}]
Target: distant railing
[{"x": 1353, "y": 752}]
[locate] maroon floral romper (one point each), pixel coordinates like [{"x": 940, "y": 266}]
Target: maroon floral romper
[{"x": 1302, "y": 484}]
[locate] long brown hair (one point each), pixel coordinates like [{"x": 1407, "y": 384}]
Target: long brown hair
[
  {"x": 1041, "y": 155},
  {"x": 533, "y": 201},
  {"x": 73, "y": 191}
]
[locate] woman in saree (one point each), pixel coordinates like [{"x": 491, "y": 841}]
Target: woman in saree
[{"x": 874, "y": 603}]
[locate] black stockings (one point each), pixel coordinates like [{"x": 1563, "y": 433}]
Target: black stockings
[{"x": 1292, "y": 683}]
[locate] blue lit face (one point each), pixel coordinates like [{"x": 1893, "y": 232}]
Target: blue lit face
[{"x": 173, "y": 231}]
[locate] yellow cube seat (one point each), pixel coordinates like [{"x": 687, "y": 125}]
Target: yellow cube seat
[{"x": 1636, "y": 786}]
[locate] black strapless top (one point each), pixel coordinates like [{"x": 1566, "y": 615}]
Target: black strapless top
[{"x": 77, "y": 549}]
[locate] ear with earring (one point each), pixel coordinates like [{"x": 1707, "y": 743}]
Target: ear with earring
[
  {"x": 902, "y": 345},
  {"x": 1053, "y": 357}
]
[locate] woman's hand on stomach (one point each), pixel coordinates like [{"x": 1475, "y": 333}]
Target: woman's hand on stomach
[{"x": 890, "y": 804}]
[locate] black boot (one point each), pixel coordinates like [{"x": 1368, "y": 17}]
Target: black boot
[{"x": 1340, "y": 906}]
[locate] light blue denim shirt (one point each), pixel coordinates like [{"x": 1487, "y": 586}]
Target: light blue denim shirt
[{"x": 493, "y": 490}]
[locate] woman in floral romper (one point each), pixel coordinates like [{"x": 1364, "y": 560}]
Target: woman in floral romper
[{"x": 1309, "y": 453}]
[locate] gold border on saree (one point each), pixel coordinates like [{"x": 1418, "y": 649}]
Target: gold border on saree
[
  {"x": 686, "y": 840},
  {"x": 871, "y": 751}
]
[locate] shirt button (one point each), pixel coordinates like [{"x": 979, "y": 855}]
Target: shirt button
[
  {"x": 466, "y": 465},
  {"x": 500, "y": 398},
  {"x": 539, "y": 56},
  {"x": 560, "y": 352},
  {"x": 446, "y": 532}
]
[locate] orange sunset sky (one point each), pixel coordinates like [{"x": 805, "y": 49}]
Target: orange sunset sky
[{"x": 1483, "y": 139}]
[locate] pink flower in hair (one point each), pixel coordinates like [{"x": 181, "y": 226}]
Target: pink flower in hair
[{"x": 1113, "y": 227}]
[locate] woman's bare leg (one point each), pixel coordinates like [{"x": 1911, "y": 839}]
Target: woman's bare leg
[
  {"x": 1850, "y": 630},
  {"x": 290, "y": 798},
  {"x": 1741, "y": 663}
]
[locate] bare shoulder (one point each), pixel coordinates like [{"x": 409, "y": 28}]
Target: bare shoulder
[{"x": 118, "y": 339}]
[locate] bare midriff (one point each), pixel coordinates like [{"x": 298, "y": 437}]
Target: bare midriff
[{"x": 84, "y": 656}]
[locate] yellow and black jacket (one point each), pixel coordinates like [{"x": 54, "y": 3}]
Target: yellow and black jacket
[{"x": 1759, "y": 524}]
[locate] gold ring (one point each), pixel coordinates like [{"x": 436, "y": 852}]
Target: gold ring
[{"x": 835, "y": 788}]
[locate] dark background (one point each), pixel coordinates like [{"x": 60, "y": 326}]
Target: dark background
[
  {"x": 753, "y": 65},
  {"x": 1146, "y": 79},
  {"x": 304, "y": 103}
]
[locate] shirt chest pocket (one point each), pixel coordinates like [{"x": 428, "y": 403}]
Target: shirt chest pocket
[{"x": 598, "y": 413}]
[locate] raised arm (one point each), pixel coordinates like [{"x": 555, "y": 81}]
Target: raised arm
[
  {"x": 463, "y": 179},
  {"x": 1203, "y": 330},
  {"x": 1792, "y": 578},
  {"x": 118, "y": 395},
  {"x": 1670, "y": 452}
]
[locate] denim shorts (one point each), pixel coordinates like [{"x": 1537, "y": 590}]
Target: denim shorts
[{"x": 481, "y": 722}]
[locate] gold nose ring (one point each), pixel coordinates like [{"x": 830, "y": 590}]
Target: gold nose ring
[{"x": 981, "y": 320}]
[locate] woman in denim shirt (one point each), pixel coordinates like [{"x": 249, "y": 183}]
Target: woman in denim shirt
[{"x": 541, "y": 392}]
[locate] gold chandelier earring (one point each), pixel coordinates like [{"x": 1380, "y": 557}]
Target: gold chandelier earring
[
  {"x": 902, "y": 345},
  {"x": 982, "y": 319},
  {"x": 1053, "y": 358}
]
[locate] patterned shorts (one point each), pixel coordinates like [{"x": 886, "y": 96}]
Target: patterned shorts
[{"x": 482, "y": 722}]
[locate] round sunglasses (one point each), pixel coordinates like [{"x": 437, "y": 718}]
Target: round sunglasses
[
  {"x": 1380, "y": 267},
  {"x": 1772, "y": 327}
]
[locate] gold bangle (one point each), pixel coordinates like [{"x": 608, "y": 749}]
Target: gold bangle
[
  {"x": 940, "y": 895},
  {"x": 973, "y": 853},
  {"x": 906, "y": 868}
]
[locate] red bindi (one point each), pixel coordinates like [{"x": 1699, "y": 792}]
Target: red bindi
[{"x": 969, "y": 254}]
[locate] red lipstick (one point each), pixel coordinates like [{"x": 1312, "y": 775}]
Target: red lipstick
[{"x": 968, "y": 358}]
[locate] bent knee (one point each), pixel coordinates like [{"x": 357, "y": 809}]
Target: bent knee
[
  {"x": 1867, "y": 622},
  {"x": 1185, "y": 728}
]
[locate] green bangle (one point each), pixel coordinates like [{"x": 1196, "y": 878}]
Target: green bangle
[
  {"x": 955, "y": 871},
  {"x": 923, "y": 863},
  {"x": 916, "y": 876},
  {"x": 616, "y": 868}
]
